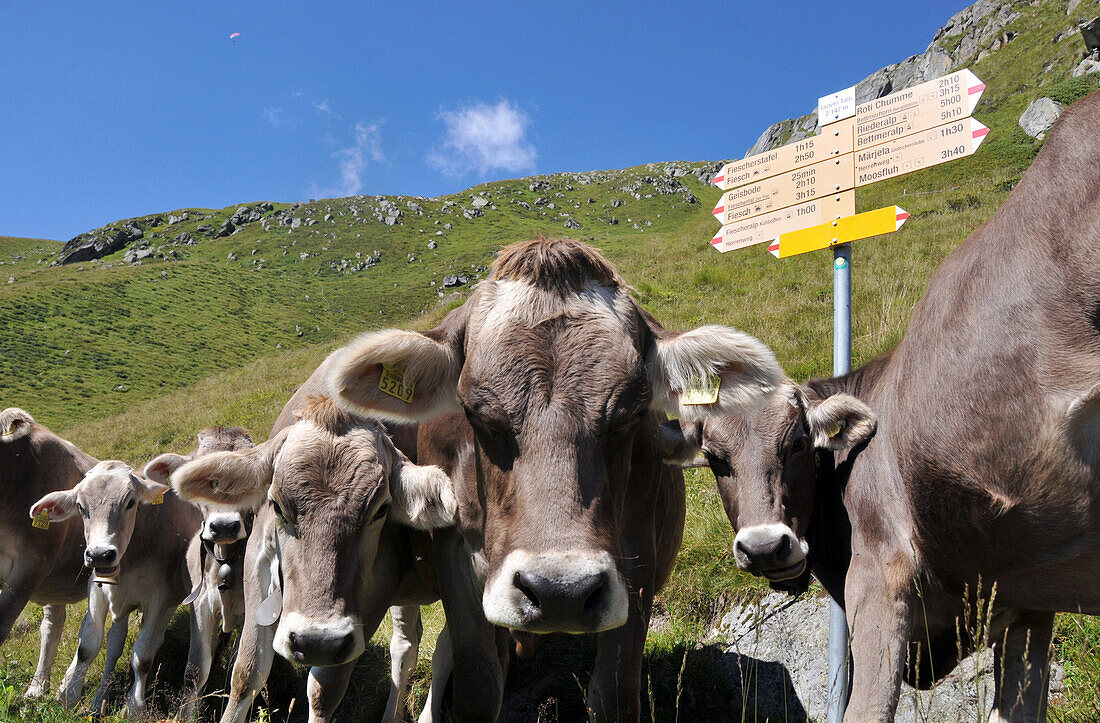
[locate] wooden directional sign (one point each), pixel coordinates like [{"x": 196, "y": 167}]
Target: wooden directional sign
[
  {"x": 834, "y": 233},
  {"x": 915, "y": 109},
  {"x": 770, "y": 225},
  {"x": 787, "y": 189},
  {"x": 834, "y": 141},
  {"x": 948, "y": 142}
]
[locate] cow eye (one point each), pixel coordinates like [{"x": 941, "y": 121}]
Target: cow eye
[
  {"x": 130, "y": 504},
  {"x": 799, "y": 444},
  {"x": 278, "y": 511},
  {"x": 383, "y": 510},
  {"x": 83, "y": 509}
]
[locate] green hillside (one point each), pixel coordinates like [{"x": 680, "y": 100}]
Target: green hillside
[{"x": 129, "y": 359}]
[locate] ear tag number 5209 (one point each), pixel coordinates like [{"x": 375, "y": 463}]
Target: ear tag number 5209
[
  {"x": 158, "y": 500},
  {"x": 392, "y": 381},
  {"x": 41, "y": 520},
  {"x": 701, "y": 390}
]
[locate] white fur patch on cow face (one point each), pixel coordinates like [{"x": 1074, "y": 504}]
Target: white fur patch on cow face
[
  {"x": 771, "y": 550},
  {"x": 564, "y": 591}
]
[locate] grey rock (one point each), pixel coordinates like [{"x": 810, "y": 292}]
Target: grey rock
[
  {"x": 121, "y": 388},
  {"x": 615, "y": 203},
  {"x": 226, "y": 229},
  {"x": 776, "y": 653},
  {"x": 295, "y": 222},
  {"x": 539, "y": 186},
  {"x": 11, "y": 279},
  {"x": 452, "y": 280},
  {"x": 1090, "y": 33},
  {"x": 1088, "y": 66},
  {"x": 447, "y": 226},
  {"x": 413, "y": 206},
  {"x": 99, "y": 243},
  {"x": 433, "y": 245},
  {"x": 173, "y": 220},
  {"x": 479, "y": 202},
  {"x": 205, "y": 228},
  {"x": 185, "y": 238},
  {"x": 1040, "y": 116},
  {"x": 571, "y": 223},
  {"x": 137, "y": 254},
  {"x": 245, "y": 214}
]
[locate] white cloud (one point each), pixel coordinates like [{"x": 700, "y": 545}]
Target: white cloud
[
  {"x": 277, "y": 117},
  {"x": 354, "y": 159},
  {"x": 484, "y": 137},
  {"x": 325, "y": 106}
]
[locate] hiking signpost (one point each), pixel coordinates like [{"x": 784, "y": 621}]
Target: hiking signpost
[{"x": 801, "y": 198}]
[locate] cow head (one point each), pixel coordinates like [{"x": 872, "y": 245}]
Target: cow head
[
  {"x": 766, "y": 467},
  {"x": 559, "y": 373},
  {"x": 332, "y": 481},
  {"x": 219, "y": 526},
  {"x": 107, "y": 500}
]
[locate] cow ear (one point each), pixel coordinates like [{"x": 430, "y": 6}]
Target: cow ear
[
  {"x": 14, "y": 424},
  {"x": 58, "y": 505},
  {"x": 162, "y": 466},
  {"x": 423, "y": 496},
  {"x": 681, "y": 442},
  {"x": 149, "y": 492},
  {"x": 236, "y": 480},
  {"x": 841, "y": 421},
  {"x": 401, "y": 376},
  {"x": 710, "y": 371}
]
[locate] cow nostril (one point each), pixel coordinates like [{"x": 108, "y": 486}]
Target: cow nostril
[
  {"x": 743, "y": 549},
  {"x": 523, "y": 587},
  {"x": 595, "y": 594},
  {"x": 293, "y": 638},
  {"x": 783, "y": 548}
]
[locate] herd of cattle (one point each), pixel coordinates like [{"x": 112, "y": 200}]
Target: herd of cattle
[{"x": 526, "y": 477}]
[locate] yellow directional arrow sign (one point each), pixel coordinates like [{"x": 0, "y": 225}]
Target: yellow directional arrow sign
[{"x": 840, "y": 231}]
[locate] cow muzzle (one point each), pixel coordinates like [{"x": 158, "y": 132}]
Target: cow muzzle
[
  {"x": 223, "y": 529},
  {"x": 323, "y": 644},
  {"x": 772, "y": 551},
  {"x": 556, "y": 593},
  {"x": 103, "y": 561}
]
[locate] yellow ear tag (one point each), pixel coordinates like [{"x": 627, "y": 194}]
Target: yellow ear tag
[
  {"x": 158, "y": 500},
  {"x": 701, "y": 390},
  {"x": 41, "y": 520},
  {"x": 392, "y": 381},
  {"x": 838, "y": 427}
]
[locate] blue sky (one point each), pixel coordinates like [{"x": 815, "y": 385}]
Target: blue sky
[{"x": 115, "y": 109}]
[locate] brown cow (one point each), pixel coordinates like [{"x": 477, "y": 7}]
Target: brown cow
[
  {"x": 332, "y": 547},
  {"x": 568, "y": 520},
  {"x": 40, "y": 565},
  {"x": 982, "y": 481}
]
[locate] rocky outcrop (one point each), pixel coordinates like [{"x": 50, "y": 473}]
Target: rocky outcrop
[
  {"x": 99, "y": 243},
  {"x": 1040, "y": 116}
]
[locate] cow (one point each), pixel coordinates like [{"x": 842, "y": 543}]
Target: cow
[
  {"x": 541, "y": 396},
  {"x": 39, "y": 565},
  {"x": 215, "y": 560},
  {"x": 335, "y": 543},
  {"x": 154, "y": 577},
  {"x": 947, "y": 493}
]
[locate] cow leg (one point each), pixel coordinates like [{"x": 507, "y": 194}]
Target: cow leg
[
  {"x": 325, "y": 689},
  {"x": 878, "y": 623},
  {"x": 53, "y": 623},
  {"x": 1021, "y": 668},
  {"x": 200, "y": 654},
  {"x": 479, "y": 666},
  {"x": 155, "y": 622},
  {"x": 614, "y": 694},
  {"x": 443, "y": 665},
  {"x": 91, "y": 640},
  {"x": 116, "y": 641},
  {"x": 404, "y": 644},
  {"x": 15, "y": 592},
  {"x": 255, "y": 654}
]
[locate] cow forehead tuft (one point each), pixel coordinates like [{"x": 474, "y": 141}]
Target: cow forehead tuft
[{"x": 314, "y": 457}]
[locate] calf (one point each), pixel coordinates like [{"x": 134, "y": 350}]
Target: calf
[
  {"x": 215, "y": 560},
  {"x": 965, "y": 508},
  {"x": 39, "y": 563},
  {"x": 332, "y": 547},
  {"x": 153, "y": 579},
  {"x": 553, "y": 378}
]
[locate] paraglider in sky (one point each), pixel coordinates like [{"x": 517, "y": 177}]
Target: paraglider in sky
[{"x": 234, "y": 36}]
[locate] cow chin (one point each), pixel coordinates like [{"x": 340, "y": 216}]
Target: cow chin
[
  {"x": 564, "y": 592},
  {"x": 309, "y": 642}
]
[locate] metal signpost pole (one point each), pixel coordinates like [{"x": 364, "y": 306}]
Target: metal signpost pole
[{"x": 842, "y": 360}]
